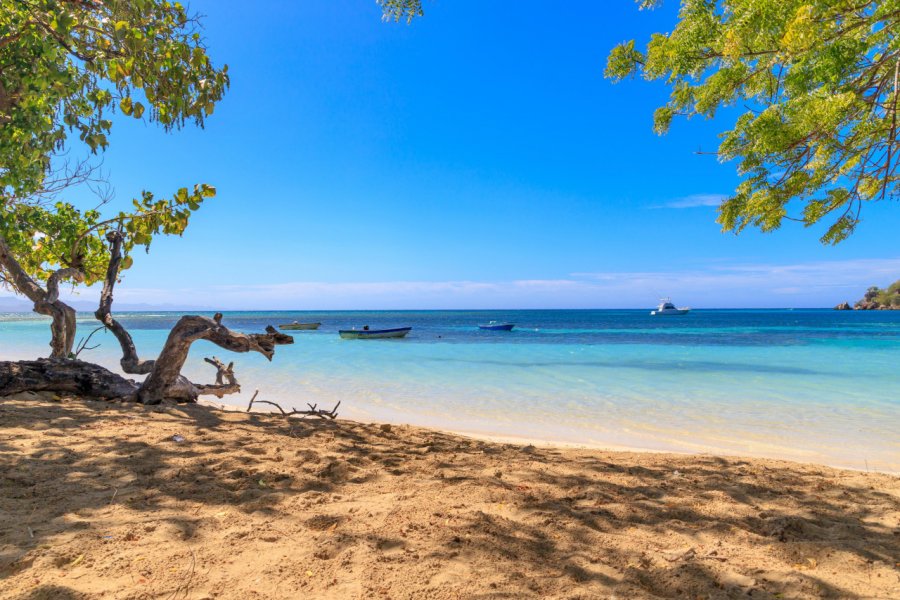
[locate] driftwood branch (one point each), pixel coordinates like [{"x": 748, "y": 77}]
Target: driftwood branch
[
  {"x": 226, "y": 382},
  {"x": 312, "y": 411},
  {"x": 223, "y": 373},
  {"x": 64, "y": 376},
  {"x": 164, "y": 381}
]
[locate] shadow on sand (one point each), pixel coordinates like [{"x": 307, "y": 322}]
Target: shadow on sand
[{"x": 406, "y": 512}]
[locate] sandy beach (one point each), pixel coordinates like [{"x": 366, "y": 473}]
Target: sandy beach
[{"x": 102, "y": 500}]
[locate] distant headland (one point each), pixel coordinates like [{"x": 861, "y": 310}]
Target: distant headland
[{"x": 876, "y": 299}]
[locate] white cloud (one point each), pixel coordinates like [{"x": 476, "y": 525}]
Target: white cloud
[
  {"x": 817, "y": 284},
  {"x": 820, "y": 283},
  {"x": 694, "y": 201}
]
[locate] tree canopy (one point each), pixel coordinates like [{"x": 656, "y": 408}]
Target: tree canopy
[
  {"x": 398, "y": 10},
  {"x": 818, "y": 80},
  {"x": 66, "y": 66}
]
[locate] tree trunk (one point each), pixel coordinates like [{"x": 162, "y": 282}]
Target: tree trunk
[
  {"x": 165, "y": 380},
  {"x": 130, "y": 361},
  {"x": 46, "y": 302},
  {"x": 64, "y": 376},
  {"x": 62, "y": 328}
]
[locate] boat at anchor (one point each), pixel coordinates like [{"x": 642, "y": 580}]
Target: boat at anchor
[
  {"x": 374, "y": 334},
  {"x": 667, "y": 308},
  {"x": 497, "y": 326},
  {"x": 299, "y": 326}
]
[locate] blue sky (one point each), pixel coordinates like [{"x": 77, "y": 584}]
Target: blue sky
[{"x": 475, "y": 158}]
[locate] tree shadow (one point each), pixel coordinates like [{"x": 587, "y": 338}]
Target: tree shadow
[{"x": 465, "y": 517}]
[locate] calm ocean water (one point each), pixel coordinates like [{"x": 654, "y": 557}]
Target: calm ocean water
[{"x": 811, "y": 385}]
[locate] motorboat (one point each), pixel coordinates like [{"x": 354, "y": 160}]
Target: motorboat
[
  {"x": 667, "y": 308},
  {"x": 299, "y": 326},
  {"x": 374, "y": 334},
  {"x": 497, "y": 326}
]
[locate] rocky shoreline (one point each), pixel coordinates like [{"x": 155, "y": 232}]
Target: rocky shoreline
[{"x": 876, "y": 299}]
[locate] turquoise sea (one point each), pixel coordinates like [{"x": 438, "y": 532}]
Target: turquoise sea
[{"x": 811, "y": 385}]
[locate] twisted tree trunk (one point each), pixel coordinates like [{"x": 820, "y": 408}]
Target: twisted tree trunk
[
  {"x": 165, "y": 380},
  {"x": 46, "y": 302}
]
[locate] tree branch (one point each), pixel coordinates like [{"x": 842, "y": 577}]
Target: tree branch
[
  {"x": 130, "y": 361},
  {"x": 226, "y": 382}
]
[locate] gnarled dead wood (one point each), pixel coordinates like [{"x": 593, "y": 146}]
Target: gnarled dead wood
[
  {"x": 164, "y": 380},
  {"x": 226, "y": 382},
  {"x": 313, "y": 410},
  {"x": 130, "y": 361},
  {"x": 64, "y": 376}
]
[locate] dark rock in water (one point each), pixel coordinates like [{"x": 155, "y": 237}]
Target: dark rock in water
[{"x": 843, "y": 306}]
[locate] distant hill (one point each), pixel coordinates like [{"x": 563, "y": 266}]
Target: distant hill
[
  {"x": 14, "y": 304},
  {"x": 878, "y": 299}
]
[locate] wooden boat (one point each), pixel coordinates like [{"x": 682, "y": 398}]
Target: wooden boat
[
  {"x": 297, "y": 325},
  {"x": 495, "y": 326},
  {"x": 374, "y": 334}
]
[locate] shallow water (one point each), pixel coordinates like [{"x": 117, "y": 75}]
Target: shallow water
[{"x": 811, "y": 385}]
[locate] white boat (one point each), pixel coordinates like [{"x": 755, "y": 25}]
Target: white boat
[{"x": 667, "y": 308}]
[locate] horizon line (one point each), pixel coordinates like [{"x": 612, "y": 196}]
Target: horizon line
[{"x": 320, "y": 310}]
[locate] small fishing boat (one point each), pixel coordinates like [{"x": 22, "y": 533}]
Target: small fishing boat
[
  {"x": 297, "y": 325},
  {"x": 374, "y": 334},
  {"x": 667, "y": 308},
  {"x": 497, "y": 326}
]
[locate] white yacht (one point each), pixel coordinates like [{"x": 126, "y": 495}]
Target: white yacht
[{"x": 667, "y": 308}]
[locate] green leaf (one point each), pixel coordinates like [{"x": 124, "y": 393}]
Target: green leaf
[
  {"x": 816, "y": 96},
  {"x": 125, "y": 105}
]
